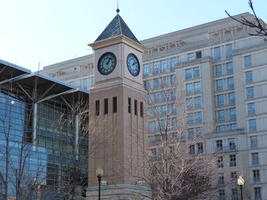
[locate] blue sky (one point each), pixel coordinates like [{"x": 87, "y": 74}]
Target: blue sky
[{"x": 50, "y": 31}]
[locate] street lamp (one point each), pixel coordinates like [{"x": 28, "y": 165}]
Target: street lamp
[
  {"x": 99, "y": 174},
  {"x": 241, "y": 182}
]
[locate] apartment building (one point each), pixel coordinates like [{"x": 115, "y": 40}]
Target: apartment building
[{"x": 217, "y": 74}]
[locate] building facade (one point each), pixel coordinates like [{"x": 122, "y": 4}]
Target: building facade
[{"x": 215, "y": 75}]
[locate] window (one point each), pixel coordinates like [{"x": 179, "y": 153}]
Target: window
[
  {"x": 219, "y": 145},
  {"x": 220, "y": 115},
  {"x": 190, "y": 118},
  {"x": 198, "y": 54},
  {"x": 255, "y": 158},
  {"x": 229, "y": 68},
  {"x": 196, "y": 71},
  {"x": 198, "y": 102},
  {"x": 251, "y": 109},
  {"x": 234, "y": 195},
  {"x": 252, "y": 125},
  {"x": 221, "y": 195},
  {"x": 165, "y": 81},
  {"x": 232, "y": 144},
  {"x": 146, "y": 70},
  {"x": 129, "y": 105},
  {"x": 141, "y": 109},
  {"x": 257, "y": 193},
  {"x": 198, "y": 117},
  {"x": 233, "y": 126},
  {"x": 191, "y": 56},
  {"x": 232, "y": 113},
  {"x": 229, "y": 50},
  {"x": 250, "y": 92},
  {"x": 173, "y": 64},
  {"x": 253, "y": 141},
  {"x": 163, "y": 66},
  {"x": 192, "y": 149},
  {"x": 147, "y": 84},
  {"x": 218, "y": 70},
  {"x": 197, "y": 87},
  {"x": 189, "y": 88},
  {"x": 219, "y": 85},
  {"x": 256, "y": 175},
  {"x": 97, "y": 107},
  {"x": 249, "y": 77},
  {"x": 156, "y": 68},
  {"x": 189, "y": 103},
  {"x": 114, "y": 103},
  {"x": 190, "y": 133},
  {"x": 221, "y": 128},
  {"x": 220, "y": 162},
  {"x": 217, "y": 53},
  {"x": 234, "y": 175},
  {"x": 188, "y": 74},
  {"x": 230, "y": 83},
  {"x": 247, "y": 61},
  {"x": 105, "y": 106},
  {"x": 220, "y": 100},
  {"x": 156, "y": 83},
  {"x": 173, "y": 79},
  {"x": 231, "y": 98},
  {"x": 232, "y": 160},
  {"x": 199, "y": 148},
  {"x": 135, "y": 107},
  {"x": 221, "y": 179}
]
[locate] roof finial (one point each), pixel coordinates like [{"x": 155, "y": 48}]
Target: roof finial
[{"x": 117, "y": 10}]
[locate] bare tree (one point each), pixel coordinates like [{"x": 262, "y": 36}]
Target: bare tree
[
  {"x": 173, "y": 172},
  {"x": 256, "y": 23}
]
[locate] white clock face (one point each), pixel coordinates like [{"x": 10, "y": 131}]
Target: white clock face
[
  {"x": 107, "y": 63},
  {"x": 133, "y": 64}
]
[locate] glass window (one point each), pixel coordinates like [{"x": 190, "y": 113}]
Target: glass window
[
  {"x": 190, "y": 118},
  {"x": 230, "y": 83},
  {"x": 234, "y": 195},
  {"x": 105, "y": 106},
  {"x": 249, "y": 77},
  {"x": 141, "y": 109},
  {"x": 191, "y": 56},
  {"x": 252, "y": 125},
  {"x": 232, "y": 143},
  {"x": 188, "y": 74},
  {"x": 218, "y": 70},
  {"x": 221, "y": 128},
  {"x": 192, "y": 149},
  {"x": 189, "y": 103},
  {"x": 247, "y": 61},
  {"x": 251, "y": 109},
  {"x": 114, "y": 100},
  {"x": 199, "y": 148},
  {"x": 197, "y": 87},
  {"x": 198, "y": 54},
  {"x": 156, "y": 83},
  {"x": 163, "y": 66},
  {"x": 221, "y": 194},
  {"x": 135, "y": 107},
  {"x": 233, "y": 126},
  {"x": 232, "y": 113},
  {"x": 233, "y": 175},
  {"x": 232, "y": 160},
  {"x": 229, "y": 68},
  {"x": 255, "y": 158},
  {"x": 173, "y": 79},
  {"x": 231, "y": 98},
  {"x": 165, "y": 81},
  {"x": 198, "y": 117},
  {"x": 196, "y": 72},
  {"x": 146, "y": 70},
  {"x": 198, "y": 102},
  {"x": 190, "y": 133},
  {"x": 219, "y": 85},
  {"x": 173, "y": 64},
  {"x": 257, "y": 193},
  {"x": 156, "y": 68},
  {"x": 129, "y": 105},
  {"x": 250, "y": 92},
  {"x": 217, "y": 53},
  {"x": 97, "y": 107},
  {"x": 219, "y": 145},
  {"x": 253, "y": 141},
  {"x": 221, "y": 115},
  {"x": 220, "y": 99},
  {"x": 229, "y": 50},
  {"x": 189, "y": 88},
  {"x": 147, "y": 84},
  {"x": 256, "y": 175},
  {"x": 220, "y": 162}
]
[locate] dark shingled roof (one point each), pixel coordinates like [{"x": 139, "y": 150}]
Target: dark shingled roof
[{"x": 115, "y": 28}]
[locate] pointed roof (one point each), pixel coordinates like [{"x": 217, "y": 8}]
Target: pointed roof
[{"x": 115, "y": 28}]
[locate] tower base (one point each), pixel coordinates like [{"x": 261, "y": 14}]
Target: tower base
[{"x": 119, "y": 192}]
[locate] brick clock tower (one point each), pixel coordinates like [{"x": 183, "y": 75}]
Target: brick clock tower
[{"x": 117, "y": 116}]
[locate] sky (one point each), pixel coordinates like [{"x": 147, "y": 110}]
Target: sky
[{"x": 37, "y": 33}]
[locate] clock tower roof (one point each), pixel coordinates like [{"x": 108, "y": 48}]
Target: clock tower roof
[{"x": 117, "y": 27}]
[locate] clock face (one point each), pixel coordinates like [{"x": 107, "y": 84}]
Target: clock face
[
  {"x": 133, "y": 64},
  {"x": 107, "y": 63}
]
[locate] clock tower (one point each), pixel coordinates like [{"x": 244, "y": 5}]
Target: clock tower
[{"x": 117, "y": 116}]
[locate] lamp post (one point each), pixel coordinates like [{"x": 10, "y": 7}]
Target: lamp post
[
  {"x": 99, "y": 174},
  {"x": 241, "y": 182}
]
